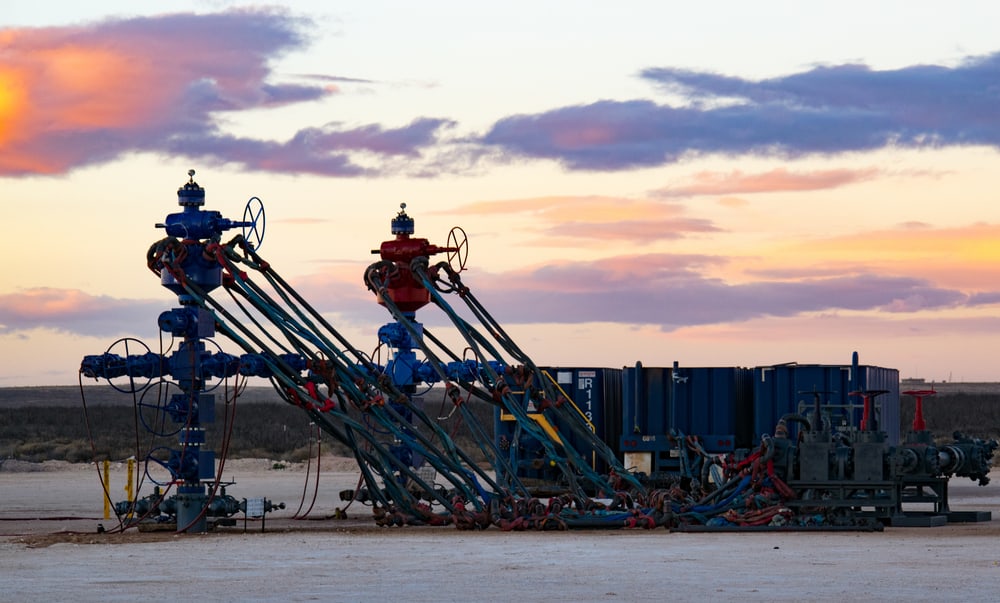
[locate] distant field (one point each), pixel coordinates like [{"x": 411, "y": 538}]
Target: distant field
[
  {"x": 53, "y": 423},
  {"x": 98, "y": 395},
  {"x": 945, "y": 388},
  {"x": 103, "y": 395},
  {"x": 42, "y": 423}
]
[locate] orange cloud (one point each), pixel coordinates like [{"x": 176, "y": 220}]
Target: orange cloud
[
  {"x": 565, "y": 220},
  {"x": 967, "y": 258},
  {"x": 733, "y": 202},
  {"x": 71, "y": 310},
  {"x": 72, "y": 96},
  {"x": 637, "y": 231},
  {"x": 777, "y": 180},
  {"x": 47, "y": 302},
  {"x": 86, "y": 87},
  {"x": 13, "y": 102},
  {"x": 580, "y": 208},
  {"x": 54, "y": 84}
]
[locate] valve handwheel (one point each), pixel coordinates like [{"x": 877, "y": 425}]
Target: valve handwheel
[
  {"x": 154, "y": 415},
  {"x": 458, "y": 248},
  {"x": 128, "y": 384},
  {"x": 254, "y": 222}
]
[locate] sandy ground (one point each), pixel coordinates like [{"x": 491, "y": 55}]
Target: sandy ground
[{"x": 50, "y": 550}]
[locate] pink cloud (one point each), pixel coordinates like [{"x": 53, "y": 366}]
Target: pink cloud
[
  {"x": 45, "y": 302},
  {"x": 637, "y": 231},
  {"x": 733, "y": 202},
  {"x": 612, "y": 274},
  {"x": 776, "y": 180},
  {"x": 109, "y": 81},
  {"x": 915, "y": 225},
  {"x": 565, "y": 220},
  {"x": 581, "y": 207},
  {"x": 73, "y": 310},
  {"x": 671, "y": 292}
]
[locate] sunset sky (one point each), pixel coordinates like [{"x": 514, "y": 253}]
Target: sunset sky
[{"x": 720, "y": 184}]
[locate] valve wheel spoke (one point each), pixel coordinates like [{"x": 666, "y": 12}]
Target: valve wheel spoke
[
  {"x": 458, "y": 249},
  {"x": 254, "y": 214}
]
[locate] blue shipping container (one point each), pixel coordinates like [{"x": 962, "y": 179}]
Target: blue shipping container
[{"x": 713, "y": 403}]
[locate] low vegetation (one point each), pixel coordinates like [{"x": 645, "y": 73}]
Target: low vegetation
[
  {"x": 41, "y": 433},
  {"x": 974, "y": 415},
  {"x": 38, "y": 424}
]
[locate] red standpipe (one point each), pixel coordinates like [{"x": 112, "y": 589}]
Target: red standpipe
[{"x": 918, "y": 415}]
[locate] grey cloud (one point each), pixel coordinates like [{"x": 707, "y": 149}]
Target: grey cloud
[
  {"x": 663, "y": 290},
  {"x": 322, "y": 151},
  {"x": 824, "y": 110},
  {"x": 985, "y": 298},
  {"x": 675, "y": 298},
  {"x": 75, "y": 312}
]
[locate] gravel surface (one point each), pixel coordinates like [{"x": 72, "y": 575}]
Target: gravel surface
[{"x": 50, "y": 550}]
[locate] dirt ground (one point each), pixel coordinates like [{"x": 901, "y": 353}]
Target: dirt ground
[{"x": 50, "y": 549}]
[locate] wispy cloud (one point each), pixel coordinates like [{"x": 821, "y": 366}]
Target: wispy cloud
[
  {"x": 566, "y": 220},
  {"x": 672, "y": 292},
  {"x": 324, "y": 151},
  {"x": 73, "y": 96},
  {"x": 74, "y": 311},
  {"x": 630, "y": 231},
  {"x": 77, "y": 312},
  {"x": 824, "y": 110},
  {"x": 738, "y": 182},
  {"x": 985, "y": 299}
]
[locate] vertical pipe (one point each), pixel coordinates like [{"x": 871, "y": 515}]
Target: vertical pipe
[
  {"x": 130, "y": 487},
  {"x": 673, "y": 396},
  {"x": 854, "y": 378},
  {"x": 107, "y": 489},
  {"x": 853, "y": 386}
]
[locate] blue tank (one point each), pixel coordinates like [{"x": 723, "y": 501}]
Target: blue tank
[{"x": 784, "y": 389}]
